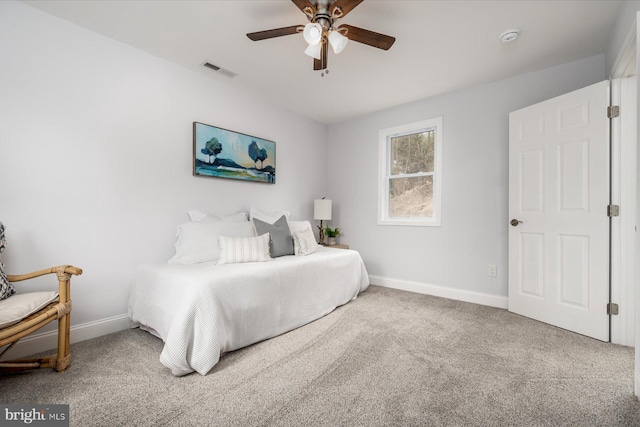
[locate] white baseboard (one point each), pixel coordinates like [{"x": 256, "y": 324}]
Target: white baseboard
[
  {"x": 441, "y": 291},
  {"x": 46, "y": 341}
]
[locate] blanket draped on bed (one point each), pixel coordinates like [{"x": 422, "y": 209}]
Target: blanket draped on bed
[{"x": 204, "y": 310}]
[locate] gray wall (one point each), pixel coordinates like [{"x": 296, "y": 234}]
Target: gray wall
[
  {"x": 637, "y": 305},
  {"x": 96, "y": 155},
  {"x": 625, "y": 20},
  {"x": 474, "y": 187}
]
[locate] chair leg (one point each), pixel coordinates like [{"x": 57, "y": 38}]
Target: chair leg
[
  {"x": 64, "y": 356},
  {"x": 64, "y": 324},
  {"x": 21, "y": 365}
]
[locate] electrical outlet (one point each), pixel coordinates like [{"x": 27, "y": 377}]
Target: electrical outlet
[{"x": 493, "y": 270}]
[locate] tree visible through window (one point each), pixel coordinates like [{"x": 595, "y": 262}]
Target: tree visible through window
[
  {"x": 410, "y": 189},
  {"x": 409, "y": 172}
]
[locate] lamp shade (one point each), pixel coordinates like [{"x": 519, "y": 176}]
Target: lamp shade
[
  {"x": 313, "y": 50},
  {"x": 338, "y": 41},
  {"x": 312, "y": 33},
  {"x": 322, "y": 209}
]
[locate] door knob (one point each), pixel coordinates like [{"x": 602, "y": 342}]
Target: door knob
[{"x": 515, "y": 222}]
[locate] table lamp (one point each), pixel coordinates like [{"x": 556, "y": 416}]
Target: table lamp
[{"x": 321, "y": 211}]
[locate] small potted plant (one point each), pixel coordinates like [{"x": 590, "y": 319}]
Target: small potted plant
[{"x": 331, "y": 234}]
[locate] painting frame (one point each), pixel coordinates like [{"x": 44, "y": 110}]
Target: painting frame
[{"x": 223, "y": 153}]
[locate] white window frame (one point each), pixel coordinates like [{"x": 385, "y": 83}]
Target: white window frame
[{"x": 384, "y": 156}]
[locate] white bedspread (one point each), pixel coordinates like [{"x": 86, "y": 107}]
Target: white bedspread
[{"x": 204, "y": 310}]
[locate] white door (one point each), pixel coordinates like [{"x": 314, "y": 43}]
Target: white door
[{"x": 559, "y": 191}]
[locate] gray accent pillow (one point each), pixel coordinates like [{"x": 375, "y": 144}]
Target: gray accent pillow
[
  {"x": 281, "y": 241},
  {"x": 6, "y": 288}
]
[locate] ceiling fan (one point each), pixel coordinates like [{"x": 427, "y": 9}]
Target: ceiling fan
[{"x": 322, "y": 30}]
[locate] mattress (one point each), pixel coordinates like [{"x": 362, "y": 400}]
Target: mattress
[{"x": 201, "y": 311}]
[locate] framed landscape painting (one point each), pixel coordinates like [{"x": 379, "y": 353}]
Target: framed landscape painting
[{"x": 223, "y": 153}]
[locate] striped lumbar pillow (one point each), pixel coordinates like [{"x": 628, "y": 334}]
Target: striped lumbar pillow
[
  {"x": 304, "y": 242},
  {"x": 244, "y": 249}
]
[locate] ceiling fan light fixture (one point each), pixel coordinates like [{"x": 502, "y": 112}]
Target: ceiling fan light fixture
[
  {"x": 313, "y": 50},
  {"x": 312, "y": 33},
  {"x": 337, "y": 41}
]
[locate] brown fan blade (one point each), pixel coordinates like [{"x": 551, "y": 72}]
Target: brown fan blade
[
  {"x": 321, "y": 64},
  {"x": 368, "y": 37},
  {"x": 276, "y": 32},
  {"x": 306, "y": 7},
  {"x": 341, "y": 7}
]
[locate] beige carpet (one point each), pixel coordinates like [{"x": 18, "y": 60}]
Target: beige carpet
[{"x": 388, "y": 358}]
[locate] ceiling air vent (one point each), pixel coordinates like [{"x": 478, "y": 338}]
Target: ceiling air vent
[{"x": 220, "y": 69}]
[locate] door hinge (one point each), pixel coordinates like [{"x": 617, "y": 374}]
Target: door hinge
[
  {"x": 612, "y": 309},
  {"x": 613, "y": 210},
  {"x": 613, "y": 111}
]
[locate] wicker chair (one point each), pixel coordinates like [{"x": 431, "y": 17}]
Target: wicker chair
[{"x": 59, "y": 309}]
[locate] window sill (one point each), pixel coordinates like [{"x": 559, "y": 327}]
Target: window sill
[{"x": 413, "y": 222}]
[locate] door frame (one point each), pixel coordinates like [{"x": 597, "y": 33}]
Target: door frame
[
  {"x": 624, "y": 328},
  {"x": 623, "y": 193}
]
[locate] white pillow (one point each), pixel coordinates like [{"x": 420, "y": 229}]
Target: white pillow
[
  {"x": 299, "y": 226},
  {"x": 244, "y": 249},
  {"x": 205, "y": 217},
  {"x": 198, "y": 241},
  {"x": 304, "y": 242},
  {"x": 19, "y": 306},
  {"x": 268, "y": 217}
]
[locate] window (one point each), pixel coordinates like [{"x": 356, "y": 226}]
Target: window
[{"x": 410, "y": 176}]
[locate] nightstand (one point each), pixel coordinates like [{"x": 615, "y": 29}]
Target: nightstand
[{"x": 338, "y": 246}]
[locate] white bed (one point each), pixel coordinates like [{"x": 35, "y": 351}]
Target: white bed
[{"x": 204, "y": 310}]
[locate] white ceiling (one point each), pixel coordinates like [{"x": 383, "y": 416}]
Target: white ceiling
[{"x": 440, "y": 46}]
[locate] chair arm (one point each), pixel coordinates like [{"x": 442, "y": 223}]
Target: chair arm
[{"x": 62, "y": 269}]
